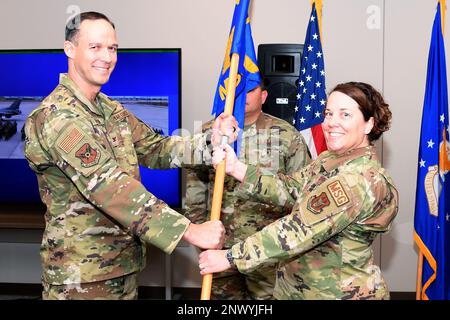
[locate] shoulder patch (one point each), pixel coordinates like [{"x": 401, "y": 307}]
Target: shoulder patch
[
  {"x": 328, "y": 199},
  {"x": 338, "y": 193},
  {"x": 317, "y": 203},
  {"x": 70, "y": 140},
  {"x": 88, "y": 155},
  {"x": 80, "y": 150}
]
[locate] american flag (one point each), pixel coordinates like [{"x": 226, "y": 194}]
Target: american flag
[{"x": 311, "y": 96}]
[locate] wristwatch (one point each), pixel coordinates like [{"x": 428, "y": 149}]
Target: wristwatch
[
  {"x": 230, "y": 259},
  {"x": 208, "y": 140}
]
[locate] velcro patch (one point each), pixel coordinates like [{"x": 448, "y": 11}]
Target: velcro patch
[
  {"x": 328, "y": 199},
  {"x": 317, "y": 203},
  {"x": 88, "y": 155},
  {"x": 338, "y": 193},
  {"x": 71, "y": 140},
  {"x": 120, "y": 115}
]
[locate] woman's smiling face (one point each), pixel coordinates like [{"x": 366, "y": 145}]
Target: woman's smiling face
[{"x": 344, "y": 126}]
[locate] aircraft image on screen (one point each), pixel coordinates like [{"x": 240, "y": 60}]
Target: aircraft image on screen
[
  {"x": 14, "y": 111},
  {"x": 8, "y": 126}
]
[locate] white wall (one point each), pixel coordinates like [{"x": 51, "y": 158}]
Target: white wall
[
  {"x": 407, "y": 41},
  {"x": 388, "y": 50}
]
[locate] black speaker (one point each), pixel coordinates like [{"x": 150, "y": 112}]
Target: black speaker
[{"x": 279, "y": 64}]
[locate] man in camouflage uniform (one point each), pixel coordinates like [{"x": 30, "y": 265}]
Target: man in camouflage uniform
[
  {"x": 85, "y": 150},
  {"x": 270, "y": 143}
]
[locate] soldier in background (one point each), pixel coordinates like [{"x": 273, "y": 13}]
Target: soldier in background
[
  {"x": 86, "y": 150},
  {"x": 340, "y": 203},
  {"x": 272, "y": 144}
]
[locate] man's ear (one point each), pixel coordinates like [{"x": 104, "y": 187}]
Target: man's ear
[
  {"x": 69, "y": 49},
  {"x": 264, "y": 94}
]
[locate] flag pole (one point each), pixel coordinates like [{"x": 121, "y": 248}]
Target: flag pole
[
  {"x": 220, "y": 169},
  {"x": 319, "y": 6},
  {"x": 419, "y": 276}
]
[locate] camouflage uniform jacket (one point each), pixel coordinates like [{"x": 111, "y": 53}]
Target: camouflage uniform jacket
[
  {"x": 340, "y": 203},
  {"x": 86, "y": 157},
  {"x": 271, "y": 143}
]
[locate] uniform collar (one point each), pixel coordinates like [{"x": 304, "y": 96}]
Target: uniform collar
[
  {"x": 331, "y": 160},
  {"x": 260, "y": 123},
  {"x": 101, "y": 105}
]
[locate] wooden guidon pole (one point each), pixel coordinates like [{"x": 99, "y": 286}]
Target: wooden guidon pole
[{"x": 220, "y": 169}]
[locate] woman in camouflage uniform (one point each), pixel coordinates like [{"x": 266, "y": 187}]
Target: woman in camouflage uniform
[{"x": 340, "y": 203}]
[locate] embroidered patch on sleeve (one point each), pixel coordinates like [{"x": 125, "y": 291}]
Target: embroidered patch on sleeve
[
  {"x": 71, "y": 140},
  {"x": 317, "y": 203},
  {"x": 88, "y": 155},
  {"x": 338, "y": 193},
  {"x": 328, "y": 199}
]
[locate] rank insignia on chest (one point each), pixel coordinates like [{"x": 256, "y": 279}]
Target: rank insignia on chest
[
  {"x": 318, "y": 202},
  {"x": 88, "y": 155},
  {"x": 115, "y": 141}
]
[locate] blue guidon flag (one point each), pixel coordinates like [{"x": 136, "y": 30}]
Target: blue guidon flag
[
  {"x": 432, "y": 212},
  {"x": 240, "y": 41}
]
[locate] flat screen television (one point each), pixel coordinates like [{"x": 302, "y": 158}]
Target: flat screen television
[{"x": 146, "y": 81}]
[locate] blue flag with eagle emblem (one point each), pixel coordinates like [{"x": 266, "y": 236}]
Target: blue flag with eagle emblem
[
  {"x": 432, "y": 212},
  {"x": 239, "y": 41}
]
